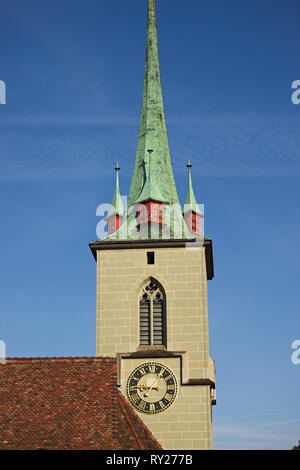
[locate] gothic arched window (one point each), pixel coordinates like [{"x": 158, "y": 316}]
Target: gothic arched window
[{"x": 152, "y": 314}]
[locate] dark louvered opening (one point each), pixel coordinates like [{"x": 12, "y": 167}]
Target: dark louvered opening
[
  {"x": 144, "y": 322},
  {"x": 158, "y": 332},
  {"x": 150, "y": 257}
]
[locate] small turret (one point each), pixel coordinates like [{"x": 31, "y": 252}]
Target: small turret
[
  {"x": 115, "y": 216},
  {"x": 191, "y": 212}
]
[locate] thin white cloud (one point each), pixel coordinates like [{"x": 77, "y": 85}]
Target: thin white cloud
[
  {"x": 250, "y": 435},
  {"x": 221, "y": 145},
  {"x": 250, "y": 144},
  {"x": 281, "y": 423},
  {"x": 64, "y": 120}
]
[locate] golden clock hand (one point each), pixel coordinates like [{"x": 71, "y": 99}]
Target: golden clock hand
[
  {"x": 142, "y": 387},
  {"x": 154, "y": 383},
  {"x": 153, "y": 388}
]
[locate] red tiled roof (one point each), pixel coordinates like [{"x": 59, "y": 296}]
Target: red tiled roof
[{"x": 67, "y": 403}]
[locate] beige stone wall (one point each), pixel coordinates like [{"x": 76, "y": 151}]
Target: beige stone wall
[
  {"x": 187, "y": 423},
  {"x": 182, "y": 272}
]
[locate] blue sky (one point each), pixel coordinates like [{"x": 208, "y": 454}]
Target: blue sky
[{"x": 74, "y": 75}]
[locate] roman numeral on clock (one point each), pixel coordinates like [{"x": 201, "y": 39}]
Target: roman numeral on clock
[
  {"x": 134, "y": 397},
  {"x": 142, "y": 405},
  {"x": 168, "y": 397}
]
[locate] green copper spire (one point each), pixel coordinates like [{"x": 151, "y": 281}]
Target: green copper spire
[
  {"x": 153, "y": 177},
  {"x": 117, "y": 205},
  {"x": 191, "y": 203},
  {"x": 153, "y": 132}
]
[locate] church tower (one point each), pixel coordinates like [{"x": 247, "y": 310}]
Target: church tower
[{"x": 152, "y": 273}]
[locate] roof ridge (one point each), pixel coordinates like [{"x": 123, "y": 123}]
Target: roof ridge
[
  {"x": 127, "y": 410},
  {"x": 60, "y": 358},
  {"x": 124, "y": 408}
]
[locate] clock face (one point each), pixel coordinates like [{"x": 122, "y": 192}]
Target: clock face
[{"x": 151, "y": 387}]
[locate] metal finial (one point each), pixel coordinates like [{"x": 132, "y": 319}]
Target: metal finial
[
  {"x": 189, "y": 165},
  {"x": 117, "y": 168}
]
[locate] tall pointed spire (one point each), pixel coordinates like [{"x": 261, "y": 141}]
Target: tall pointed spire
[
  {"x": 153, "y": 209},
  {"x": 152, "y": 131}
]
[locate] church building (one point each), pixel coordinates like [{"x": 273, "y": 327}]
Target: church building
[
  {"x": 152, "y": 273},
  {"x": 152, "y": 382}
]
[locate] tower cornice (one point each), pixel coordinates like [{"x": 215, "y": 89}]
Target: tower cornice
[{"x": 156, "y": 244}]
